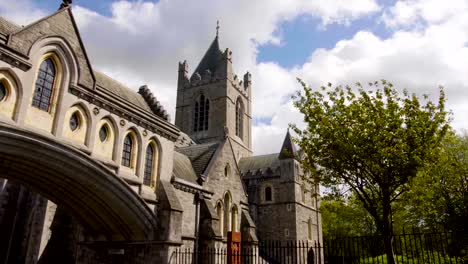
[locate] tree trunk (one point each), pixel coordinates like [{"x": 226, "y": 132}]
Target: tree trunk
[{"x": 387, "y": 230}]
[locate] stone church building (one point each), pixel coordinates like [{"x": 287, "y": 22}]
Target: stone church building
[{"x": 87, "y": 161}]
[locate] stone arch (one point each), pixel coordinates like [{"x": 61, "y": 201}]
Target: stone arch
[
  {"x": 102, "y": 202},
  {"x": 106, "y": 148},
  {"x": 82, "y": 133},
  {"x": 63, "y": 49},
  {"x": 14, "y": 94}
]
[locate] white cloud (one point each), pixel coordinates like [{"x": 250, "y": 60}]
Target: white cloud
[
  {"x": 144, "y": 41},
  {"x": 413, "y": 57},
  {"x": 20, "y": 11}
]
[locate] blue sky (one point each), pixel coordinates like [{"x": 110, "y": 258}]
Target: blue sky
[
  {"x": 300, "y": 36},
  {"x": 416, "y": 44}
]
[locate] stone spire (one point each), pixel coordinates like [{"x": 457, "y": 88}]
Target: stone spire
[
  {"x": 211, "y": 58},
  {"x": 288, "y": 151}
]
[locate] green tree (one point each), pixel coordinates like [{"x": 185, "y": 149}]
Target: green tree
[
  {"x": 373, "y": 141},
  {"x": 344, "y": 217},
  {"x": 438, "y": 197}
]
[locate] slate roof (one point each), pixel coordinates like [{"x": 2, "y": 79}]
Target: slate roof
[
  {"x": 259, "y": 162},
  {"x": 199, "y": 155},
  {"x": 8, "y": 27},
  {"x": 211, "y": 58},
  {"x": 115, "y": 87},
  {"x": 183, "y": 168}
]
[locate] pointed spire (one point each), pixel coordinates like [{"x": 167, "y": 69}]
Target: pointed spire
[
  {"x": 217, "y": 28},
  {"x": 288, "y": 150},
  {"x": 211, "y": 58}
]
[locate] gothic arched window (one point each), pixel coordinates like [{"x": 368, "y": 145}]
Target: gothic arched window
[
  {"x": 220, "y": 212},
  {"x": 239, "y": 118},
  {"x": 201, "y": 116},
  {"x": 127, "y": 151},
  {"x": 149, "y": 164},
  {"x": 44, "y": 85}
]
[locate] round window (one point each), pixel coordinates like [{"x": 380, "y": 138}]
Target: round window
[
  {"x": 74, "y": 121},
  {"x": 3, "y": 91},
  {"x": 103, "y": 133}
]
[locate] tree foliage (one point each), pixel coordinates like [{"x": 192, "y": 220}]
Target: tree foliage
[
  {"x": 438, "y": 197},
  {"x": 345, "y": 217},
  {"x": 372, "y": 140}
]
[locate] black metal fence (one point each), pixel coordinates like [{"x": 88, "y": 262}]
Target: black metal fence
[
  {"x": 274, "y": 252},
  {"x": 408, "y": 248}
]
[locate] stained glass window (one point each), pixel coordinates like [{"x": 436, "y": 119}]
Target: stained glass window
[
  {"x": 44, "y": 85},
  {"x": 127, "y": 151},
  {"x": 149, "y": 163}
]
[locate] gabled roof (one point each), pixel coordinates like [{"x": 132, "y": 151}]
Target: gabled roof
[
  {"x": 102, "y": 81},
  {"x": 107, "y": 83},
  {"x": 211, "y": 58},
  {"x": 261, "y": 162},
  {"x": 7, "y": 27},
  {"x": 199, "y": 155},
  {"x": 183, "y": 168},
  {"x": 288, "y": 150},
  {"x": 61, "y": 23}
]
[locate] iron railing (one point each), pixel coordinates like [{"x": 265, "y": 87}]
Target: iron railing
[{"x": 408, "y": 248}]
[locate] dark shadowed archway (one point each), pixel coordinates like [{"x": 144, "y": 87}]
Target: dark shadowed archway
[{"x": 91, "y": 192}]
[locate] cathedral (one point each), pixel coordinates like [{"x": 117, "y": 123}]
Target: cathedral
[{"x": 86, "y": 159}]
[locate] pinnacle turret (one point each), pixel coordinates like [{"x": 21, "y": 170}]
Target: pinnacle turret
[{"x": 288, "y": 150}]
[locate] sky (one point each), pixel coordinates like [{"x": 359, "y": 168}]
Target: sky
[{"x": 418, "y": 45}]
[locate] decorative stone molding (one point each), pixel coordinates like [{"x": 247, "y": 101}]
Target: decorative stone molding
[
  {"x": 153, "y": 103},
  {"x": 14, "y": 60},
  {"x": 132, "y": 114}
]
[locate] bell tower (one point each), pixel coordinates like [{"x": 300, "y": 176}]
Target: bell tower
[{"x": 214, "y": 103}]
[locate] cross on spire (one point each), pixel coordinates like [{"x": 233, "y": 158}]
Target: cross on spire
[
  {"x": 217, "y": 28},
  {"x": 65, "y": 3}
]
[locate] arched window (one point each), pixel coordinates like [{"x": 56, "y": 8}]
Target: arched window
[
  {"x": 227, "y": 213},
  {"x": 234, "y": 213},
  {"x": 3, "y": 91},
  {"x": 268, "y": 195},
  {"x": 201, "y": 114},
  {"x": 44, "y": 85},
  {"x": 227, "y": 170},
  {"x": 219, "y": 211},
  {"x": 127, "y": 151},
  {"x": 239, "y": 118},
  {"x": 149, "y": 164},
  {"x": 309, "y": 229}
]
